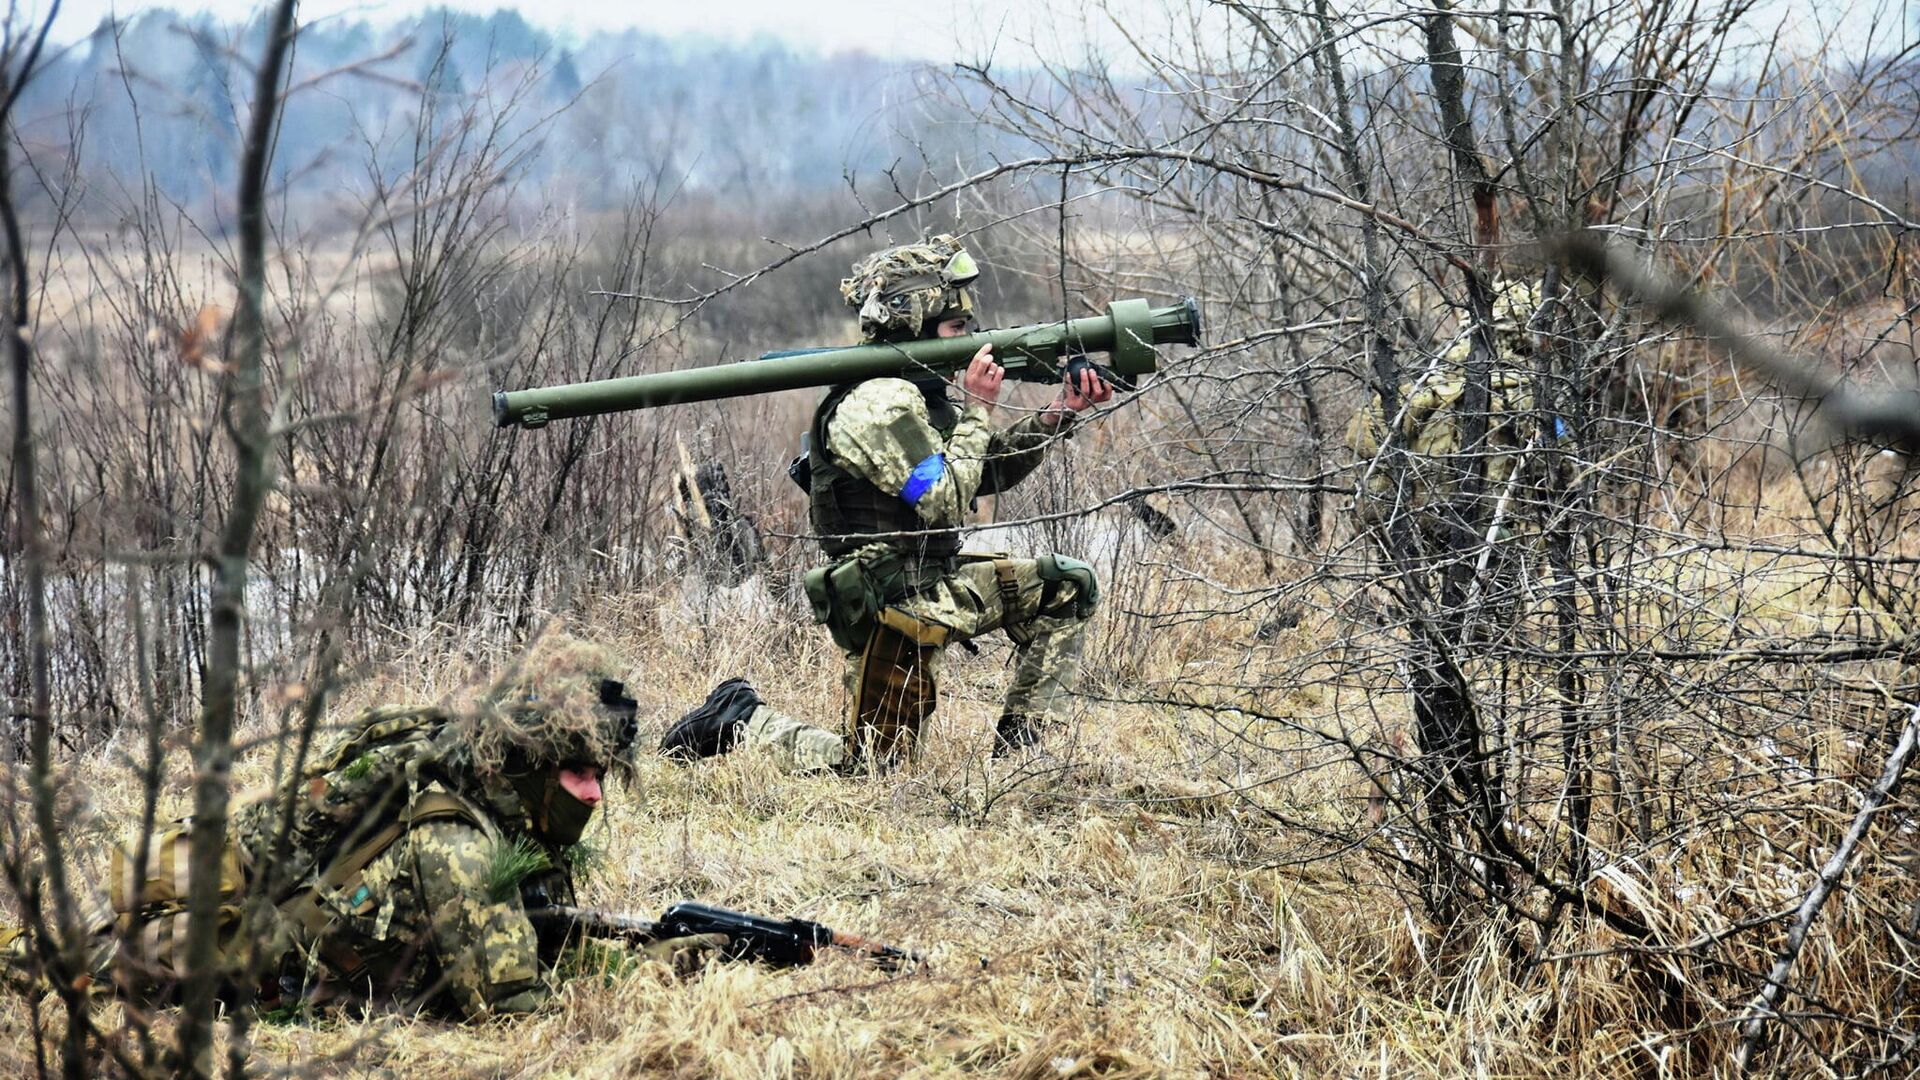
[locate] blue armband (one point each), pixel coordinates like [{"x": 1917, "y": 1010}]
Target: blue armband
[{"x": 924, "y": 476}]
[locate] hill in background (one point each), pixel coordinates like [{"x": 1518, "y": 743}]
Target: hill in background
[{"x": 150, "y": 108}]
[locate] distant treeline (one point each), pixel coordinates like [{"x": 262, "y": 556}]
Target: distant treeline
[{"x": 149, "y": 108}]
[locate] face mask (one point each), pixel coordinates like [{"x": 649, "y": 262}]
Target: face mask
[
  {"x": 556, "y": 814},
  {"x": 566, "y": 817},
  {"x": 935, "y": 393}
]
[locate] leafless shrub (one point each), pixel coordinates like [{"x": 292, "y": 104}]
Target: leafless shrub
[
  {"x": 1652, "y": 607},
  {"x": 1589, "y": 722}
]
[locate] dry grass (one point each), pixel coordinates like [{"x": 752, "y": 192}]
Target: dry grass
[
  {"x": 1123, "y": 908},
  {"x": 1105, "y": 912},
  {"x": 1129, "y": 905}
]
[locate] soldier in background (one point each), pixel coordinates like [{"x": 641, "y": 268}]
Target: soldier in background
[
  {"x": 1430, "y": 424},
  {"x": 893, "y": 466},
  {"x": 419, "y": 840}
]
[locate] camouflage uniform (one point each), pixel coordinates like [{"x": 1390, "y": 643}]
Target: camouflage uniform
[
  {"x": 427, "y": 914},
  {"x": 1429, "y": 423},
  {"x": 434, "y": 910},
  {"x": 394, "y": 884},
  {"x": 896, "y": 461}
]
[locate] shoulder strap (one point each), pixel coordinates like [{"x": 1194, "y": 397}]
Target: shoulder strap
[
  {"x": 822, "y": 416},
  {"x": 304, "y": 907}
]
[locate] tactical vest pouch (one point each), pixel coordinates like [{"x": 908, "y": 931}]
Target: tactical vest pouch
[
  {"x": 854, "y": 601},
  {"x": 842, "y": 599},
  {"x": 1055, "y": 569},
  {"x": 169, "y": 855},
  {"x": 819, "y": 596},
  {"x": 850, "y": 594}
]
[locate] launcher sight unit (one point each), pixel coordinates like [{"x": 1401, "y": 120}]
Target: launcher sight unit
[{"x": 1128, "y": 333}]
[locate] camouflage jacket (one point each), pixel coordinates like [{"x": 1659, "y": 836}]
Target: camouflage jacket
[
  {"x": 430, "y": 919},
  {"x": 1430, "y": 427},
  {"x": 414, "y": 903},
  {"x": 882, "y": 432}
]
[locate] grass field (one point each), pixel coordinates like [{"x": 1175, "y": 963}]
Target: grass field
[
  {"x": 1120, "y": 906},
  {"x": 1104, "y": 909}
]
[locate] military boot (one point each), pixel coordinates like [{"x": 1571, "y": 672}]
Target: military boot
[
  {"x": 714, "y": 726},
  {"x": 1015, "y": 732}
]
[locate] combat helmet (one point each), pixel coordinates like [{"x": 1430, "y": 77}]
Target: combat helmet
[
  {"x": 1514, "y": 304},
  {"x": 559, "y": 706},
  {"x": 903, "y": 291}
]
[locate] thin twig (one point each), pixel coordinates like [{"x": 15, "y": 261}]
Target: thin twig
[{"x": 1764, "y": 1005}]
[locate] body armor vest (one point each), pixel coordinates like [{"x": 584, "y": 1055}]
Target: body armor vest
[{"x": 845, "y": 507}]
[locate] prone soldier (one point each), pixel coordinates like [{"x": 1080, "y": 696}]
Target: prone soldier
[{"x": 418, "y": 842}]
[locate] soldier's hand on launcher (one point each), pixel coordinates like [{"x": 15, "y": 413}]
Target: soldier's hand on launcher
[
  {"x": 1080, "y": 390},
  {"x": 983, "y": 377}
]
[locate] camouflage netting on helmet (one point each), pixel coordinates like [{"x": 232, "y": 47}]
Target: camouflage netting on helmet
[
  {"x": 547, "y": 709},
  {"x": 899, "y": 290}
]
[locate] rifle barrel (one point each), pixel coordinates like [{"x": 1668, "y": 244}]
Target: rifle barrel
[
  {"x": 890, "y": 957},
  {"x": 595, "y": 923}
]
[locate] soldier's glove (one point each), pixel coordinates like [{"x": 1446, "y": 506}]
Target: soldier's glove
[{"x": 685, "y": 955}]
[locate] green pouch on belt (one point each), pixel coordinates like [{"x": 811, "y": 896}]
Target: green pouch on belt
[
  {"x": 819, "y": 596},
  {"x": 855, "y": 603}
]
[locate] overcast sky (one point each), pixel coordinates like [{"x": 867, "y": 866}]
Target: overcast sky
[
  {"x": 940, "y": 30},
  {"x": 949, "y": 30}
]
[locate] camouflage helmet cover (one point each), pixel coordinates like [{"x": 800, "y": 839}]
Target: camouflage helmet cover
[
  {"x": 558, "y": 704},
  {"x": 899, "y": 290},
  {"x": 1514, "y": 303}
]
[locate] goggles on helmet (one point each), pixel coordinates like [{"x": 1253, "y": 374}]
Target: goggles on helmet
[
  {"x": 960, "y": 270},
  {"x": 625, "y": 712}
]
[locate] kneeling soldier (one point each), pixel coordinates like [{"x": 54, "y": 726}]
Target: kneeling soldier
[{"x": 893, "y": 466}]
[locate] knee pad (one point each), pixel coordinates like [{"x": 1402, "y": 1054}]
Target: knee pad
[{"x": 1055, "y": 569}]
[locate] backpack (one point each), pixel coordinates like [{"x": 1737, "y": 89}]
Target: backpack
[
  {"x": 355, "y": 801},
  {"x": 351, "y": 804},
  {"x": 348, "y": 794}
]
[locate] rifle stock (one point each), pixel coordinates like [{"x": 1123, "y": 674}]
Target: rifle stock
[{"x": 1128, "y": 333}]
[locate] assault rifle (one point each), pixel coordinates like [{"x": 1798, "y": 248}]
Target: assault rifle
[
  {"x": 1045, "y": 352},
  {"x": 775, "y": 942}
]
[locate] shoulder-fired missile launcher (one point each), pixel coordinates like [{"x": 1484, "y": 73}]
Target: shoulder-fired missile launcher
[{"x": 1127, "y": 333}]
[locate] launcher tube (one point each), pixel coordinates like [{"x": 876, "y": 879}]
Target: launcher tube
[{"x": 1128, "y": 332}]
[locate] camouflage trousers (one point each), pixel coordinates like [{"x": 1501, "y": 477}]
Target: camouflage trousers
[{"x": 1045, "y": 619}]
